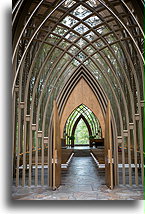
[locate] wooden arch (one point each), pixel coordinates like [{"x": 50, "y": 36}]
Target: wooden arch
[
  {"x": 62, "y": 98},
  {"x": 82, "y": 94}
]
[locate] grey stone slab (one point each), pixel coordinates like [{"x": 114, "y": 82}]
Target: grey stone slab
[
  {"x": 82, "y": 181},
  {"x": 85, "y": 188}
]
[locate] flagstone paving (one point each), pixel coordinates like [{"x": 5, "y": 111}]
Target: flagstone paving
[{"x": 82, "y": 181}]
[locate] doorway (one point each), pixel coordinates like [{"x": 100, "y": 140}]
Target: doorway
[
  {"x": 90, "y": 111},
  {"x": 83, "y": 139},
  {"x": 82, "y": 128},
  {"x": 81, "y": 136}
]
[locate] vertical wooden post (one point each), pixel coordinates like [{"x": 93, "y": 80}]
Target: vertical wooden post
[
  {"x": 108, "y": 149},
  {"x": 56, "y": 148}
]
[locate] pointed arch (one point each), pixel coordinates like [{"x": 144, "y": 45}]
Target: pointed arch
[
  {"x": 86, "y": 122},
  {"x": 92, "y": 123},
  {"x": 82, "y": 94}
]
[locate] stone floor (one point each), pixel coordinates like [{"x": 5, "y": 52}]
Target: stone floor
[{"x": 82, "y": 181}]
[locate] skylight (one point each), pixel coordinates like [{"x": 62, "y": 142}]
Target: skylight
[
  {"x": 90, "y": 36},
  {"x": 81, "y": 56},
  {"x": 81, "y": 12},
  {"x": 71, "y": 36},
  {"x": 81, "y": 43},
  {"x": 81, "y": 29},
  {"x": 93, "y": 21},
  {"x": 69, "y": 3},
  {"x": 69, "y": 21}
]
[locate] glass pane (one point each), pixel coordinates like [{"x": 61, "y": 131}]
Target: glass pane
[
  {"x": 71, "y": 36},
  {"x": 109, "y": 55},
  {"x": 53, "y": 39},
  {"x": 81, "y": 56},
  {"x": 90, "y": 50},
  {"x": 87, "y": 62},
  {"x": 81, "y": 134},
  {"x": 81, "y": 28},
  {"x": 90, "y": 36},
  {"x": 99, "y": 43},
  {"x": 69, "y": 21},
  {"x": 93, "y": 3},
  {"x": 102, "y": 30},
  {"x": 93, "y": 21},
  {"x": 60, "y": 30},
  {"x": 81, "y": 12},
  {"x": 75, "y": 62},
  {"x": 110, "y": 38},
  {"x": 64, "y": 44},
  {"x": 81, "y": 43},
  {"x": 98, "y": 57},
  {"x": 73, "y": 50},
  {"x": 69, "y": 3}
]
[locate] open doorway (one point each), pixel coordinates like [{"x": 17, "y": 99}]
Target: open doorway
[
  {"x": 85, "y": 106},
  {"x": 81, "y": 136},
  {"x": 83, "y": 142},
  {"x": 82, "y": 128}
]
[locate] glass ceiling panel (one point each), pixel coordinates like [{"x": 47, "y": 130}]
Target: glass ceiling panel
[
  {"x": 81, "y": 43},
  {"x": 64, "y": 44},
  {"x": 81, "y": 29},
  {"x": 61, "y": 63},
  {"x": 90, "y": 36},
  {"x": 81, "y": 56},
  {"x": 102, "y": 30},
  {"x": 110, "y": 38},
  {"x": 71, "y": 36},
  {"x": 92, "y": 67},
  {"x": 90, "y": 50},
  {"x": 69, "y": 21},
  {"x": 88, "y": 61},
  {"x": 99, "y": 43},
  {"x": 93, "y": 21},
  {"x": 118, "y": 50},
  {"x": 51, "y": 60},
  {"x": 66, "y": 74},
  {"x": 110, "y": 56},
  {"x": 73, "y": 50},
  {"x": 69, "y": 3},
  {"x": 75, "y": 62},
  {"x": 81, "y": 12},
  {"x": 97, "y": 56},
  {"x": 53, "y": 39},
  {"x": 93, "y": 3},
  {"x": 60, "y": 30}
]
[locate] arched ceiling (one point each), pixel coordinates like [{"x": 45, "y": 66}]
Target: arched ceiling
[
  {"x": 52, "y": 39},
  {"x": 55, "y": 43}
]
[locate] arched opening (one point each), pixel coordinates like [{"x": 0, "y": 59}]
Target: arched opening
[
  {"x": 81, "y": 136},
  {"x": 88, "y": 125}
]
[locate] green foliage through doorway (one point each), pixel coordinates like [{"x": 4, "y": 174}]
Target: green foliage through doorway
[{"x": 81, "y": 134}]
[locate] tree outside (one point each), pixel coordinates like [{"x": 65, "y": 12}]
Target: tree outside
[{"x": 81, "y": 134}]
